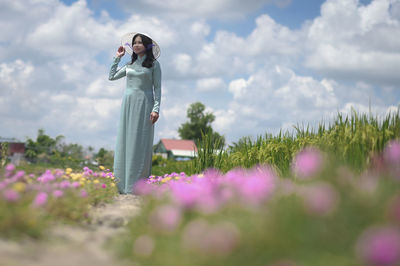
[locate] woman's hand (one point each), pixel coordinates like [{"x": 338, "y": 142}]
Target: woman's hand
[
  {"x": 153, "y": 117},
  {"x": 121, "y": 51}
]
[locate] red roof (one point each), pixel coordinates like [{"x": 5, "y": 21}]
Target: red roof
[
  {"x": 179, "y": 144},
  {"x": 16, "y": 148}
]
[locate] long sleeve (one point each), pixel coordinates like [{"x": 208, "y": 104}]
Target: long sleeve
[
  {"x": 156, "y": 86},
  {"x": 114, "y": 73}
]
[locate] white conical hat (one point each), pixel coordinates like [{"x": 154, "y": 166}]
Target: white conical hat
[{"x": 126, "y": 42}]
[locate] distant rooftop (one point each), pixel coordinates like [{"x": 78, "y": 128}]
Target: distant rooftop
[
  {"x": 179, "y": 144},
  {"x": 14, "y": 140}
]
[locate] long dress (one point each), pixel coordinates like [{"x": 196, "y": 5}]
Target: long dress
[{"x": 134, "y": 146}]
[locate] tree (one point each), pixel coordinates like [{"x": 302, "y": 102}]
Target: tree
[
  {"x": 105, "y": 158},
  {"x": 43, "y": 147},
  {"x": 199, "y": 122}
]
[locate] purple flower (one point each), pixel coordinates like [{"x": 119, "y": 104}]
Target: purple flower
[
  {"x": 307, "y": 163},
  {"x": 41, "y": 199},
  {"x": 379, "y": 246},
  {"x": 11, "y": 195}
]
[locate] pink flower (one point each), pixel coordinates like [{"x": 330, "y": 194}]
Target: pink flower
[
  {"x": 379, "y": 246},
  {"x": 58, "y": 173},
  {"x": 41, "y": 199},
  {"x": 257, "y": 185},
  {"x": 19, "y": 175},
  {"x": 64, "y": 184},
  {"x": 141, "y": 187},
  {"x": 103, "y": 185},
  {"x": 307, "y": 163},
  {"x": 46, "y": 177},
  {"x": 58, "y": 193},
  {"x": 166, "y": 218},
  {"x": 10, "y": 168},
  {"x": 76, "y": 184},
  {"x": 392, "y": 152},
  {"x": 185, "y": 194},
  {"x": 11, "y": 195},
  {"x": 320, "y": 199},
  {"x": 84, "y": 194}
]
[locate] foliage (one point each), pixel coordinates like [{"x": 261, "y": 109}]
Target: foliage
[
  {"x": 352, "y": 139},
  {"x": 208, "y": 154},
  {"x": 29, "y": 203},
  {"x": 56, "y": 153},
  {"x": 105, "y": 158},
  {"x": 3, "y": 154},
  {"x": 199, "y": 123},
  {"x": 162, "y": 166},
  {"x": 329, "y": 216}
]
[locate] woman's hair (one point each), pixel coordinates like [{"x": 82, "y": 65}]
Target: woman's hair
[{"x": 148, "y": 45}]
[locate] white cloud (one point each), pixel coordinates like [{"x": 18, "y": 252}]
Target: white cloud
[
  {"x": 183, "y": 63},
  {"x": 210, "y": 84},
  {"x": 356, "y": 42},
  {"x": 238, "y": 87},
  {"x": 200, "y": 28},
  {"x": 221, "y": 9}
]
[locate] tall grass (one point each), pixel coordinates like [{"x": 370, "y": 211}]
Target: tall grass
[
  {"x": 208, "y": 154},
  {"x": 351, "y": 139}
]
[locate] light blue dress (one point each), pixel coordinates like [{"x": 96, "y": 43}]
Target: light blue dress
[{"x": 134, "y": 147}]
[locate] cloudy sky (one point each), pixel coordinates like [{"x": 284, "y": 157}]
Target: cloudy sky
[{"x": 258, "y": 65}]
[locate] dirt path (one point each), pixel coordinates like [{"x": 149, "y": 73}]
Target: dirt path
[{"x": 72, "y": 245}]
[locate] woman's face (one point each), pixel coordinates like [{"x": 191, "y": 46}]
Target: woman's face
[{"x": 138, "y": 47}]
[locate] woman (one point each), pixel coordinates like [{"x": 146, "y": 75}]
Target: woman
[{"x": 139, "y": 110}]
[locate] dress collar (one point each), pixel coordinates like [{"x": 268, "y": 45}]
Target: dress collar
[{"x": 141, "y": 59}]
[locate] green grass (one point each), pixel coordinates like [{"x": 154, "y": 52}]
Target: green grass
[{"x": 352, "y": 139}]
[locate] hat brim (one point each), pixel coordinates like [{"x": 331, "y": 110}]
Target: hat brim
[{"x": 126, "y": 42}]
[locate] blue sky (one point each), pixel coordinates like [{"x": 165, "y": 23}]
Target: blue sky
[{"x": 259, "y": 66}]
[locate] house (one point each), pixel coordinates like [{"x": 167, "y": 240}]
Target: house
[
  {"x": 16, "y": 149},
  {"x": 178, "y": 149}
]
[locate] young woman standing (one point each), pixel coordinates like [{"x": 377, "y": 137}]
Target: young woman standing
[{"x": 140, "y": 109}]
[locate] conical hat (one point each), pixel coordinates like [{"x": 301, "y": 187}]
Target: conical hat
[{"x": 126, "y": 42}]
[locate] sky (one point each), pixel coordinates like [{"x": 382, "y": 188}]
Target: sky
[{"x": 259, "y": 66}]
